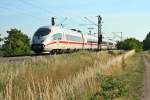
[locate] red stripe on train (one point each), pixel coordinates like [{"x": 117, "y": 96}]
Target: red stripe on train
[
  {"x": 50, "y": 43},
  {"x": 66, "y": 42}
]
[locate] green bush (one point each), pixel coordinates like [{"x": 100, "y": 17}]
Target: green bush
[
  {"x": 126, "y": 85},
  {"x": 130, "y": 44},
  {"x": 16, "y": 43},
  {"x": 112, "y": 87}
]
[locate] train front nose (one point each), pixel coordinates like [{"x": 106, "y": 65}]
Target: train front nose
[
  {"x": 38, "y": 39},
  {"x": 38, "y": 48},
  {"x": 37, "y": 44}
]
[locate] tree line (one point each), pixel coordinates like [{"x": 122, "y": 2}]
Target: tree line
[
  {"x": 18, "y": 43},
  {"x": 132, "y": 43}
]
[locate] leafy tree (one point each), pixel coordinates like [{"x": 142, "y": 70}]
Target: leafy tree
[
  {"x": 16, "y": 43},
  {"x": 146, "y": 42},
  {"x": 0, "y": 42},
  {"x": 130, "y": 44},
  {"x": 1, "y": 38},
  {"x": 1, "y": 45}
]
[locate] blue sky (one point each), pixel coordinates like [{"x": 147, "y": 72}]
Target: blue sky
[{"x": 132, "y": 17}]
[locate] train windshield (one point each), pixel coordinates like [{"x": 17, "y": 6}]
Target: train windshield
[{"x": 42, "y": 32}]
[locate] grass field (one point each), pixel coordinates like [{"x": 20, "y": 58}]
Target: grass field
[{"x": 77, "y": 76}]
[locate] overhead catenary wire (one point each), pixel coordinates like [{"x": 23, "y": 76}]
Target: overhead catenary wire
[
  {"x": 45, "y": 11},
  {"x": 91, "y": 21},
  {"x": 61, "y": 23},
  {"x": 22, "y": 13},
  {"x": 39, "y": 7},
  {"x": 29, "y": 3}
]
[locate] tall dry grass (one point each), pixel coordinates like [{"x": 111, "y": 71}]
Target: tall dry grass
[{"x": 56, "y": 78}]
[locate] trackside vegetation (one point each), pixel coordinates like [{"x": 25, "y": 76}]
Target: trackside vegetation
[
  {"x": 129, "y": 44},
  {"x": 16, "y": 43},
  {"x": 78, "y": 76},
  {"x": 126, "y": 84},
  {"x": 132, "y": 43}
]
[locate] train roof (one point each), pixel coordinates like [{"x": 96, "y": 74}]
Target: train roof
[
  {"x": 49, "y": 27},
  {"x": 56, "y": 27}
]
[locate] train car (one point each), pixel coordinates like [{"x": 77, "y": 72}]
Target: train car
[
  {"x": 90, "y": 42},
  {"x": 55, "y": 39}
]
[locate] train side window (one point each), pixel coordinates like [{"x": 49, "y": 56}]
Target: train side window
[
  {"x": 73, "y": 38},
  {"x": 57, "y": 36}
]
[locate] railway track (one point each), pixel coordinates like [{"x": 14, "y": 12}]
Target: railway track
[
  {"x": 30, "y": 56},
  {"x": 22, "y": 57},
  {"x": 27, "y": 57}
]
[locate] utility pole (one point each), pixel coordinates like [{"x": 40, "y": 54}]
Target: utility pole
[
  {"x": 53, "y": 21},
  {"x": 99, "y": 32},
  {"x": 100, "y": 37}
]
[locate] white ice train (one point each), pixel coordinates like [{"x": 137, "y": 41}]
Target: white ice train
[{"x": 55, "y": 40}]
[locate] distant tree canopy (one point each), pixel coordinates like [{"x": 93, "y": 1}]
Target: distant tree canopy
[
  {"x": 146, "y": 42},
  {"x": 130, "y": 44},
  {"x": 1, "y": 38},
  {"x": 0, "y": 45},
  {"x": 16, "y": 43},
  {"x": 0, "y": 41}
]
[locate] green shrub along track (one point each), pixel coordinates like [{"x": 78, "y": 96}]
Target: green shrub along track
[{"x": 126, "y": 84}]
